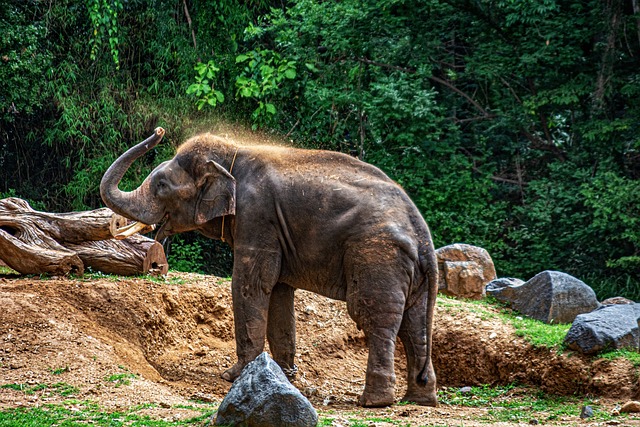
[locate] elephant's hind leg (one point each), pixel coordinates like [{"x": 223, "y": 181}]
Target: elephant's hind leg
[
  {"x": 421, "y": 379},
  {"x": 376, "y": 302}
]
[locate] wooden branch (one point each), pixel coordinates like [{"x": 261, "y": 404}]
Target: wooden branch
[
  {"x": 33, "y": 242},
  {"x": 475, "y": 103},
  {"x": 193, "y": 33}
]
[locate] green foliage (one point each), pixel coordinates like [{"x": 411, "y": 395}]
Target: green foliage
[
  {"x": 512, "y": 125},
  {"x": 23, "y": 62},
  {"x": 104, "y": 18},
  {"x": 185, "y": 254},
  {"x": 203, "y": 88},
  {"x": 263, "y": 73}
]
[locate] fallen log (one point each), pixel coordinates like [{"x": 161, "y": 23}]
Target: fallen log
[{"x": 33, "y": 242}]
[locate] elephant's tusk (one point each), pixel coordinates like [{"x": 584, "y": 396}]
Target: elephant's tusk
[{"x": 131, "y": 229}]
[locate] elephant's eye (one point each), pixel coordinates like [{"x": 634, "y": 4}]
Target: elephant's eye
[{"x": 162, "y": 186}]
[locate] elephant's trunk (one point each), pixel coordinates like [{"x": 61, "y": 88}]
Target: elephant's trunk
[{"x": 137, "y": 204}]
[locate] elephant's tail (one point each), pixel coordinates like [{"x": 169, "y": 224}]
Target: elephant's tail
[{"x": 429, "y": 266}]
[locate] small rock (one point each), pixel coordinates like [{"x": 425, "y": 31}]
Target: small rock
[
  {"x": 534, "y": 422},
  {"x": 310, "y": 391},
  {"x": 616, "y": 300},
  {"x": 587, "y": 412},
  {"x": 203, "y": 397},
  {"x": 631, "y": 406},
  {"x": 465, "y": 390}
]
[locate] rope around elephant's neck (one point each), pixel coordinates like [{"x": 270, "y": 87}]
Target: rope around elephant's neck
[{"x": 233, "y": 162}]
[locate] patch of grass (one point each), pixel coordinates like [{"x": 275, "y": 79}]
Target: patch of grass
[
  {"x": 76, "y": 414},
  {"x": 477, "y": 397},
  {"x": 59, "y": 371},
  {"x": 174, "y": 280},
  {"x": 121, "y": 379},
  {"x": 63, "y": 389},
  {"x": 5, "y": 270},
  {"x": 539, "y": 334},
  {"x": 519, "y": 405},
  {"x": 630, "y": 355}
]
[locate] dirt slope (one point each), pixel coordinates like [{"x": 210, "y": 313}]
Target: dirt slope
[{"x": 177, "y": 337}]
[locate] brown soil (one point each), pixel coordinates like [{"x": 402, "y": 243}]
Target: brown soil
[{"x": 177, "y": 337}]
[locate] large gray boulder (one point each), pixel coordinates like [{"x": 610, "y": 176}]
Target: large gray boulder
[
  {"x": 262, "y": 396},
  {"x": 550, "y": 296},
  {"x": 610, "y": 327},
  {"x": 464, "y": 270}
]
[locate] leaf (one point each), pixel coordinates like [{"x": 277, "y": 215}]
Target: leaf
[
  {"x": 271, "y": 109},
  {"x": 191, "y": 89},
  {"x": 290, "y": 73},
  {"x": 241, "y": 58},
  {"x": 311, "y": 67}
]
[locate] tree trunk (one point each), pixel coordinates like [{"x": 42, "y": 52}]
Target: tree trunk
[{"x": 33, "y": 242}]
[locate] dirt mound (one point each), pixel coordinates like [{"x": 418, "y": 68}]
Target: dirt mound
[{"x": 175, "y": 336}]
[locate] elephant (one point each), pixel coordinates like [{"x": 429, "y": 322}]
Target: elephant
[{"x": 296, "y": 218}]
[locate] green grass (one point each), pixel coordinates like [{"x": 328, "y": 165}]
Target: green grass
[
  {"x": 121, "y": 379},
  {"x": 62, "y": 389},
  {"x": 7, "y": 270},
  {"x": 535, "y": 332},
  {"x": 76, "y": 414},
  {"x": 539, "y": 334},
  {"x": 630, "y": 355},
  {"x": 59, "y": 371},
  {"x": 520, "y": 405}
]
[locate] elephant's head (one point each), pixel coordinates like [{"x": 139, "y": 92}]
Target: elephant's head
[{"x": 186, "y": 191}]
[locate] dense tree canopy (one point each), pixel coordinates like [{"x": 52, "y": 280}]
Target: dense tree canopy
[{"x": 514, "y": 125}]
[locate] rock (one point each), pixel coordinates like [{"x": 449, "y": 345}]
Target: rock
[
  {"x": 262, "y": 396},
  {"x": 587, "y": 412},
  {"x": 503, "y": 282},
  {"x": 616, "y": 300},
  {"x": 464, "y": 270},
  {"x": 631, "y": 406},
  {"x": 611, "y": 326},
  {"x": 550, "y": 296}
]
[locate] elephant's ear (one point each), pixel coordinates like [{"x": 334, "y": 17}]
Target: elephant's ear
[{"x": 217, "y": 193}]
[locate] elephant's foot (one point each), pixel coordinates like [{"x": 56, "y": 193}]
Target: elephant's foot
[
  {"x": 421, "y": 398},
  {"x": 377, "y": 399},
  {"x": 421, "y": 394},
  {"x": 233, "y": 372}
]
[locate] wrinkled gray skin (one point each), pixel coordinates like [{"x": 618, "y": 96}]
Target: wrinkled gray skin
[{"x": 300, "y": 219}]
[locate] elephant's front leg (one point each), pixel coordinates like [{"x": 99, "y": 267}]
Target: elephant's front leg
[
  {"x": 255, "y": 273},
  {"x": 281, "y": 328}
]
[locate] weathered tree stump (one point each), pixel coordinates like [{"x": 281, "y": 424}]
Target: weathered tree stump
[{"x": 33, "y": 242}]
